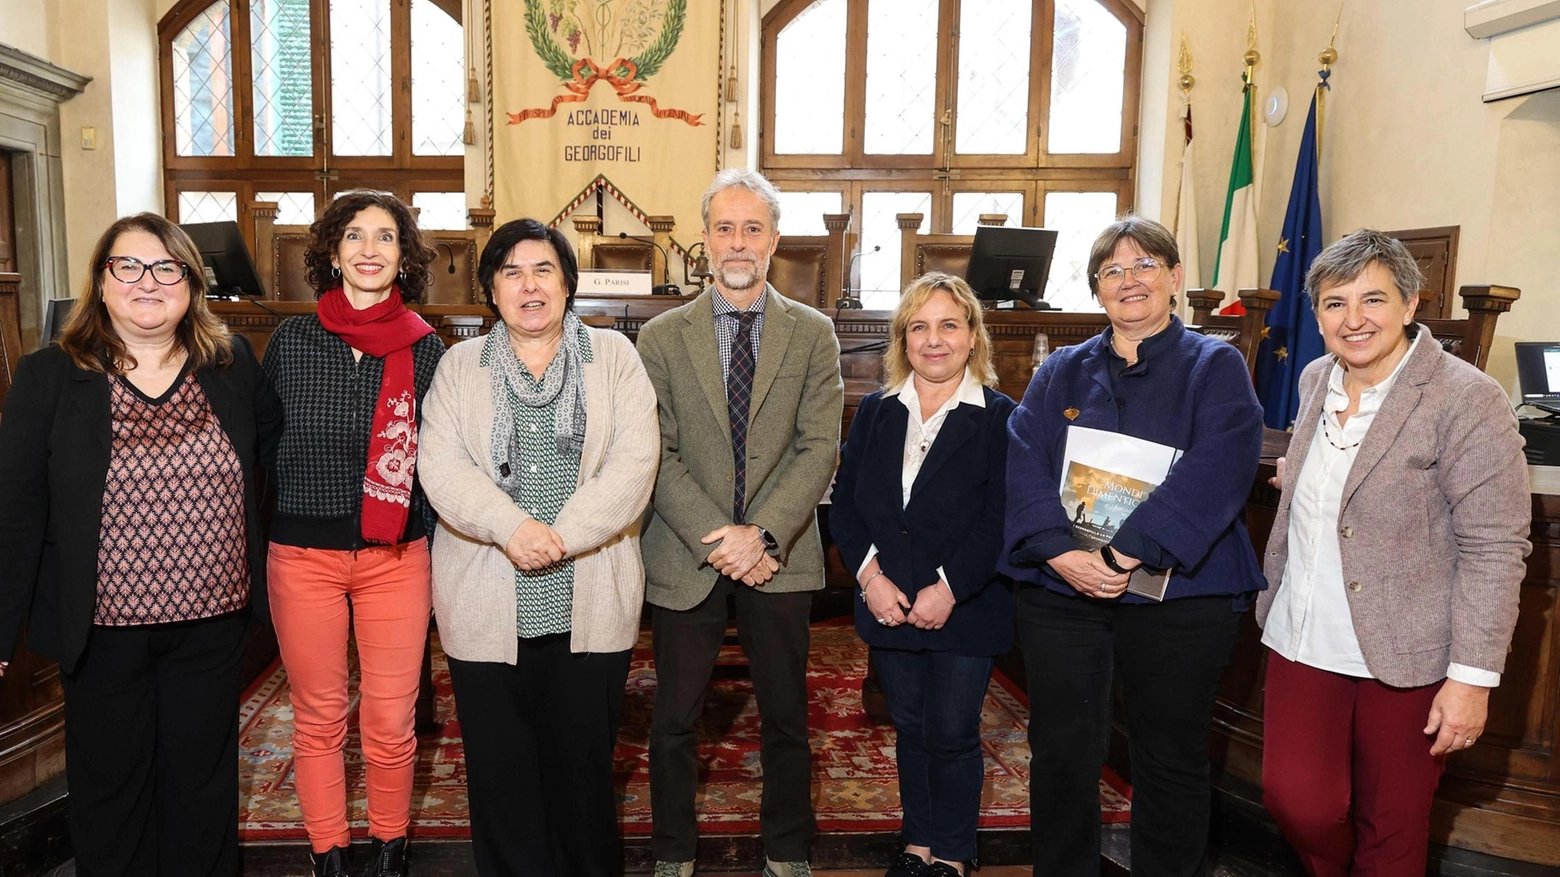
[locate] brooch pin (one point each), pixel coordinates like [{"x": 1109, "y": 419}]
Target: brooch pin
[{"x": 1071, "y": 414}]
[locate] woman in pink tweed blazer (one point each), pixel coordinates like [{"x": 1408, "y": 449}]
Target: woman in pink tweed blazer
[{"x": 1393, "y": 568}]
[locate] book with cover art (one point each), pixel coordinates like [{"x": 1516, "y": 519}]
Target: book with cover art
[{"x": 1105, "y": 477}]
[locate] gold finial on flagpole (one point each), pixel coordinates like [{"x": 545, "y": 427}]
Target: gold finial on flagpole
[
  {"x": 1185, "y": 65},
  {"x": 1252, "y": 56},
  {"x": 1327, "y": 57}
]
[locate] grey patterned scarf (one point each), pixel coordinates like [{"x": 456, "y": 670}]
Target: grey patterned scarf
[{"x": 563, "y": 381}]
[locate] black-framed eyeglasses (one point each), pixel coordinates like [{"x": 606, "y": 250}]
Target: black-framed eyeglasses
[
  {"x": 128, "y": 269},
  {"x": 1145, "y": 270}
]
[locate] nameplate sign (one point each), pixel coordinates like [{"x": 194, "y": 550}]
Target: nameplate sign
[{"x": 615, "y": 282}]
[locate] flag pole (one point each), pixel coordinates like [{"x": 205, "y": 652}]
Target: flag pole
[
  {"x": 1184, "y": 64},
  {"x": 1251, "y": 58},
  {"x": 1328, "y": 57}
]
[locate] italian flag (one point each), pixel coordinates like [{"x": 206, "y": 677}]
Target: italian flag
[{"x": 1236, "y": 268}]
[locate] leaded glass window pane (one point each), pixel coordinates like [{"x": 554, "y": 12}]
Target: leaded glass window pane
[
  {"x": 810, "y": 81},
  {"x": 801, "y": 213},
  {"x": 901, "y": 77},
  {"x": 208, "y": 207},
  {"x": 1088, "y": 64},
  {"x": 360, "y": 77},
  {"x": 994, "y": 49},
  {"x": 438, "y": 82},
  {"x": 284, "y": 88},
  {"x": 880, "y": 280},
  {"x": 1078, "y": 218},
  {"x": 440, "y": 210},
  {"x": 292, "y": 208},
  {"x": 968, "y": 206},
  {"x": 203, "y": 84}
]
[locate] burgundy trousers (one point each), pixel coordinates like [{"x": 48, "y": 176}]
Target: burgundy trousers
[{"x": 1347, "y": 771}]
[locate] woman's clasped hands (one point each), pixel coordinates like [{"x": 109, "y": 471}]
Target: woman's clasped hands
[
  {"x": 1087, "y": 573},
  {"x": 534, "y": 545}
]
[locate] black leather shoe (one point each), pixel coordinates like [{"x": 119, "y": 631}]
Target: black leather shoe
[
  {"x": 907, "y": 865},
  {"x": 389, "y": 858},
  {"x": 334, "y": 862},
  {"x": 941, "y": 869}
]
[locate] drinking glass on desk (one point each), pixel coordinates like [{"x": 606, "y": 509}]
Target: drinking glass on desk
[{"x": 1041, "y": 351}]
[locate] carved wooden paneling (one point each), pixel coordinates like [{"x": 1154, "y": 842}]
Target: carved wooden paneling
[
  {"x": 1435, "y": 249},
  {"x": 454, "y": 273}
]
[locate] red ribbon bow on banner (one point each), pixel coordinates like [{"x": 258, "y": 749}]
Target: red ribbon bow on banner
[{"x": 586, "y": 74}]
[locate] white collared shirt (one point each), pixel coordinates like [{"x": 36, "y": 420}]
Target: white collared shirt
[
  {"x": 921, "y": 435},
  {"x": 1309, "y": 621}
]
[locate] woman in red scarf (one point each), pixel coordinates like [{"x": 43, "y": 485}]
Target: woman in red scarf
[{"x": 349, "y": 536}]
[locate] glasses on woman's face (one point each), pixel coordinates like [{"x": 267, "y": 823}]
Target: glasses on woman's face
[
  {"x": 1144, "y": 270},
  {"x": 128, "y": 269}
]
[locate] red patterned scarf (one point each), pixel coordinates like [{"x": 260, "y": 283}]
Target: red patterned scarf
[{"x": 386, "y": 330}]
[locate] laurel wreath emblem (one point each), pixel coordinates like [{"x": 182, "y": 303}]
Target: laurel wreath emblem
[{"x": 645, "y": 64}]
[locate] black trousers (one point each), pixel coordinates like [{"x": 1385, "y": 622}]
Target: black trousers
[
  {"x": 772, "y": 629},
  {"x": 151, "y": 749},
  {"x": 539, "y": 738},
  {"x": 1170, "y": 657}
]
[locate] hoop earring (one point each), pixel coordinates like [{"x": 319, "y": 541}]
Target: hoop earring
[{"x": 335, "y": 272}]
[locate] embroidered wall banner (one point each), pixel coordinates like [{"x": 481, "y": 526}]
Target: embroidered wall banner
[{"x": 623, "y": 89}]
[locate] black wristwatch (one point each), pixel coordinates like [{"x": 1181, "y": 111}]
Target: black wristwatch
[
  {"x": 770, "y": 545},
  {"x": 1109, "y": 557}
]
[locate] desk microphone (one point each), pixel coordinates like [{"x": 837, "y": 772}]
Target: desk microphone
[
  {"x": 849, "y": 301},
  {"x": 451, "y": 250},
  {"x": 667, "y": 287}
]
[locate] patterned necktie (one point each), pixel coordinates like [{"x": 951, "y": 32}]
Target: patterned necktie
[{"x": 739, "y": 393}]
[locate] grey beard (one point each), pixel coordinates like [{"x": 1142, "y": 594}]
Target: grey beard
[{"x": 760, "y": 271}]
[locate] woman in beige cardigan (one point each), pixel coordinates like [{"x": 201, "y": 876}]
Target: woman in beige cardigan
[
  {"x": 1393, "y": 569},
  {"x": 539, "y": 452}
]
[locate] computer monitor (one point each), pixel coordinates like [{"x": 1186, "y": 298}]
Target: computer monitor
[
  {"x": 1538, "y": 374},
  {"x": 55, "y": 316},
  {"x": 1011, "y": 264},
  {"x": 229, "y": 269}
]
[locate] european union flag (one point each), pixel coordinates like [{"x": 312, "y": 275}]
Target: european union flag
[{"x": 1292, "y": 339}]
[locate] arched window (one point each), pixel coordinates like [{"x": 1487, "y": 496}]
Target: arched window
[
  {"x": 951, "y": 109},
  {"x": 294, "y": 101}
]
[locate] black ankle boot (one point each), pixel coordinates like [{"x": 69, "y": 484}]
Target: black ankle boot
[
  {"x": 334, "y": 862},
  {"x": 389, "y": 858}
]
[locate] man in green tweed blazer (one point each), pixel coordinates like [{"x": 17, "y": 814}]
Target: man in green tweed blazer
[{"x": 722, "y": 532}]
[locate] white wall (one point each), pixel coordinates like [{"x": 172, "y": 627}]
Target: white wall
[
  {"x": 79, "y": 41},
  {"x": 1407, "y": 140},
  {"x": 24, "y": 24},
  {"x": 137, "y": 133},
  {"x": 123, "y": 174}
]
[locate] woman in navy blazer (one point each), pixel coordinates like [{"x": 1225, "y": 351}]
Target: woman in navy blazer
[
  {"x": 1148, "y": 377},
  {"x": 917, "y": 510}
]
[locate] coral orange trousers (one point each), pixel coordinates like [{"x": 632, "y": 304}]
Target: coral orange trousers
[{"x": 383, "y": 593}]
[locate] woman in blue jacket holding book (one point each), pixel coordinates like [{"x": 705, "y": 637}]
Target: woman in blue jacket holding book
[{"x": 1146, "y": 379}]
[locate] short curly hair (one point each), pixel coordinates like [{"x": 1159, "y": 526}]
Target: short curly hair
[{"x": 326, "y": 233}]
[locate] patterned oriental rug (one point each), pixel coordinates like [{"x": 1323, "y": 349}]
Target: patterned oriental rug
[{"x": 854, "y": 784}]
